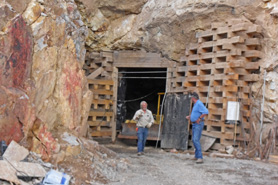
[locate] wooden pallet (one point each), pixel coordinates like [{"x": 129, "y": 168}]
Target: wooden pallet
[
  {"x": 99, "y": 74},
  {"x": 99, "y": 65},
  {"x": 220, "y": 67}
]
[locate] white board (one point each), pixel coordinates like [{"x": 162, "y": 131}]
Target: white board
[{"x": 233, "y": 111}]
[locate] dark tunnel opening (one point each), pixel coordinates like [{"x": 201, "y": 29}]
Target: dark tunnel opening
[{"x": 136, "y": 85}]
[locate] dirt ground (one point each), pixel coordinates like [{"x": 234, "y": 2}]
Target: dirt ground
[{"x": 158, "y": 167}]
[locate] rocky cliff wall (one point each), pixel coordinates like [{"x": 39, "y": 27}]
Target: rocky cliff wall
[{"x": 43, "y": 87}]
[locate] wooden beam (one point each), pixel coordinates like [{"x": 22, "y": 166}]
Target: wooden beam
[
  {"x": 99, "y": 123},
  {"x": 101, "y": 82},
  {"x": 101, "y": 133},
  {"x": 115, "y": 92},
  {"x": 96, "y": 73},
  {"x": 100, "y": 114},
  {"x": 101, "y": 91}
]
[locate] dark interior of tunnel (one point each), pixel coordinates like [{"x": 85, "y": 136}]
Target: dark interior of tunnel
[{"x": 136, "y": 85}]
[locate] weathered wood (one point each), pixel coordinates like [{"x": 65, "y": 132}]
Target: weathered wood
[
  {"x": 115, "y": 93},
  {"x": 99, "y": 123},
  {"x": 273, "y": 158},
  {"x": 240, "y": 27},
  {"x": 101, "y": 133},
  {"x": 221, "y": 155},
  {"x": 102, "y": 92},
  {"x": 101, "y": 82},
  {"x": 100, "y": 114},
  {"x": 96, "y": 73}
]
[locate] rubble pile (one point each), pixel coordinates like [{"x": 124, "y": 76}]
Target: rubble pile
[{"x": 83, "y": 161}]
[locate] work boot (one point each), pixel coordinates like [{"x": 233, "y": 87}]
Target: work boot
[
  {"x": 199, "y": 161},
  {"x": 139, "y": 153}
]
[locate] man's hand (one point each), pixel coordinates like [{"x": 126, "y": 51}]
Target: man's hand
[
  {"x": 187, "y": 117},
  {"x": 198, "y": 120},
  {"x": 139, "y": 116}
]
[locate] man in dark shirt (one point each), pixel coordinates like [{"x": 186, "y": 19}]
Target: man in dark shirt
[{"x": 198, "y": 113}]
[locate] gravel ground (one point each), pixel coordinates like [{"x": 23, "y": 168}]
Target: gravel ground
[{"x": 158, "y": 167}]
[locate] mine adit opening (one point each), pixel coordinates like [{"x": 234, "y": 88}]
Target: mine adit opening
[{"x": 136, "y": 85}]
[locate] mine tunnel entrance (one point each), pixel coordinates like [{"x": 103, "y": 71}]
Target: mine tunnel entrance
[
  {"x": 119, "y": 81},
  {"x": 136, "y": 85}
]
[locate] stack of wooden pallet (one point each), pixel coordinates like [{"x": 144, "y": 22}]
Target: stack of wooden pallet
[
  {"x": 220, "y": 67},
  {"x": 98, "y": 67}
]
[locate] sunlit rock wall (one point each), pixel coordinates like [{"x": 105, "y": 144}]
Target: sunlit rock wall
[{"x": 42, "y": 84}]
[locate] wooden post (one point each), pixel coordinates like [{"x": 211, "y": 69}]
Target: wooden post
[
  {"x": 168, "y": 79},
  {"x": 115, "y": 92}
]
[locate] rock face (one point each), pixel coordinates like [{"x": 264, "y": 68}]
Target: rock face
[
  {"x": 42, "y": 84},
  {"x": 160, "y": 26},
  {"x": 16, "y": 60}
]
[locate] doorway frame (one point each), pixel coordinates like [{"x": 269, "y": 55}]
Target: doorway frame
[{"x": 137, "y": 59}]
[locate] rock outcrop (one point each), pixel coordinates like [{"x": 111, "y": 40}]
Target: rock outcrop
[{"x": 43, "y": 87}]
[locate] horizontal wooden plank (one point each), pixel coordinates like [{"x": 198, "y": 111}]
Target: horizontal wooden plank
[
  {"x": 239, "y": 71},
  {"x": 206, "y": 33},
  {"x": 252, "y": 65},
  {"x": 216, "y": 134},
  {"x": 208, "y": 55},
  {"x": 207, "y": 44},
  {"x": 106, "y": 54},
  {"x": 273, "y": 158},
  {"x": 99, "y": 123},
  {"x": 237, "y": 63},
  {"x": 233, "y": 40},
  {"x": 101, "y": 133},
  {"x": 253, "y": 54},
  {"x": 183, "y": 68},
  {"x": 193, "y": 57},
  {"x": 239, "y": 27},
  {"x": 212, "y": 77},
  {"x": 217, "y": 111},
  {"x": 103, "y": 102},
  {"x": 103, "y": 114},
  {"x": 191, "y": 78},
  {"x": 252, "y": 42},
  {"x": 145, "y": 64},
  {"x": 135, "y": 54},
  {"x": 232, "y": 88},
  {"x": 223, "y": 29},
  {"x": 121, "y": 136},
  {"x": 254, "y": 29},
  {"x": 101, "y": 82},
  {"x": 101, "y": 91},
  {"x": 251, "y": 77}
]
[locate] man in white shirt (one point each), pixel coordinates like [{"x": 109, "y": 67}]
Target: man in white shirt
[{"x": 144, "y": 118}]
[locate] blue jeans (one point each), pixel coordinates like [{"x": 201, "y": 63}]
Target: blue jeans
[
  {"x": 196, "y": 136},
  {"x": 142, "y": 135}
]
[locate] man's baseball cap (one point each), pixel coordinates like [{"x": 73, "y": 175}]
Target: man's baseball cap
[{"x": 195, "y": 95}]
